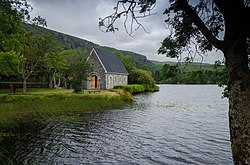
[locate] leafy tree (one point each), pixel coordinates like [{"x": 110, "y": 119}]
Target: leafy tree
[
  {"x": 210, "y": 24},
  {"x": 13, "y": 15},
  {"x": 55, "y": 65},
  {"x": 199, "y": 76},
  {"x": 11, "y": 18},
  {"x": 139, "y": 76},
  {"x": 77, "y": 68},
  {"x": 35, "y": 50},
  {"x": 35, "y": 54},
  {"x": 222, "y": 77},
  {"x": 9, "y": 63},
  {"x": 14, "y": 40},
  {"x": 157, "y": 75},
  {"x": 146, "y": 68},
  {"x": 27, "y": 59},
  {"x": 169, "y": 71}
]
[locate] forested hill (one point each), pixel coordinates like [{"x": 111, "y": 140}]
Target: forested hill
[
  {"x": 70, "y": 42},
  {"x": 65, "y": 41},
  {"x": 185, "y": 66}
]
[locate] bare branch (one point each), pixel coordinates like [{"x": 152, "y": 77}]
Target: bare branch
[{"x": 131, "y": 11}]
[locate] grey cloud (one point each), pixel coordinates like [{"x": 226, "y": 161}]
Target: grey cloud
[{"x": 80, "y": 18}]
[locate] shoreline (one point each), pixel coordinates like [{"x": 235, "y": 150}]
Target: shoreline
[{"x": 18, "y": 112}]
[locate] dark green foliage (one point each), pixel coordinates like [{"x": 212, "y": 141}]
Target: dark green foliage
[
  {"x": 77, "y": 85},
  {"x": 186, "y": 31},
  {"x": 186, "y": 66},
  {"x": 169, "y": 71},
  {"x": 77, "y": 68},
  {"x": 5, "y": 85},
  {"x": 157, "y": 75},
  {"x": 191, "y": 73},
  {"x": 222, "y": 79},
  {"x": 169, "y": 47},
  {"x": 10, "y": 18},
  {"x": 146, "y": 68},
  {"x": 55, "y": 64},
  {"x": 127, "y": 61},
  {"x": 138, "y": 59},
  {"x": 196, "y": 77},
  {"x": 26, "y": 49},
  {"x": 13, "y": 13},
  {"x": 144, "y": 78},
  {"x": 9, "y": 63}
]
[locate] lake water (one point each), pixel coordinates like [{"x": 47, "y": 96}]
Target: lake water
[{"x": 181, "y": 124}]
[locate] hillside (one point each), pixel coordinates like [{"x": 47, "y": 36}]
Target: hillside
[
  {"x": 70, "y": 42},
  {"x": 65, "y": 41},
  {"x": 185, "y": 66}
]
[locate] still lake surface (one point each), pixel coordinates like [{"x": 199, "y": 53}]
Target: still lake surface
[{"x": 181, "y": 124}]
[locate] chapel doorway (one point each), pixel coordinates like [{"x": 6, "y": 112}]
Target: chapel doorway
[{"x": 94, "y": 82}]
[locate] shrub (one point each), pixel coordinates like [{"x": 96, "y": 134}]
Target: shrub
[
  {"x": 77, "y": 85},
  {"x": 142, "y": 77},
  {"x": 133, "y": 89}
]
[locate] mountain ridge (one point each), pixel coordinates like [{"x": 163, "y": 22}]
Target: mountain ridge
[{"x": 67, "y": 41}]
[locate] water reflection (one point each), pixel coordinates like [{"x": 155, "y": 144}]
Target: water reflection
[{"x": 178, "y": 125}]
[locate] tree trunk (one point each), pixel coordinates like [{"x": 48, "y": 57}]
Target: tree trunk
[
  {"x": 24, "y": 85},
  {"x": 59, "y": 80},
  {"x": 239, "y": 120},
  {"x": 239, "y": 103},
  {"x": 50, "y": 82},
  {"x": 54, "y": 80},
  {"x": 66, "y": 79}
]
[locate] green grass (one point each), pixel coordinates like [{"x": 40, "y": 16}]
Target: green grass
[
  {"x": 41, "y": 105},
  {"x": 37, "y": 91},
  {"x": 21, "y": 114},
  {"x": 43, "y": 91}
]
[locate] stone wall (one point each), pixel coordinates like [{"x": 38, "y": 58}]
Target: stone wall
[
  {"x": 114, "y": 79},
  {"x": 98, "y": 70}
]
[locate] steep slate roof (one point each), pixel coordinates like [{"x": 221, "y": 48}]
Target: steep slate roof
[{"x": 111, "y": 62}]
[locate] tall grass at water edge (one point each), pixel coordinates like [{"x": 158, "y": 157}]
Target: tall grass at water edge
[{"x": 19, "y": 112}]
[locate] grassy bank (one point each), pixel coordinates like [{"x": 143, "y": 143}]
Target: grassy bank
[
  {"x": 133, "y": 89},
  {"x": 18, "y": 112},
  {"x": 33, "y": 91},
  {"x": 137, "y": 88}
]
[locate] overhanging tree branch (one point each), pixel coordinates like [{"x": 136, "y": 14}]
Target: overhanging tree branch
[
  {"x": 183, "y": 4},
  {"x": 131, "y": 12}
]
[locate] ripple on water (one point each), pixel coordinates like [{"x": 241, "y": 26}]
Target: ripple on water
[{"x": 178, "y": 125}]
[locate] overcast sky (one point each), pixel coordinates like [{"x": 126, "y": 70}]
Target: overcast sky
[{"x": 80, "y": 18}]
